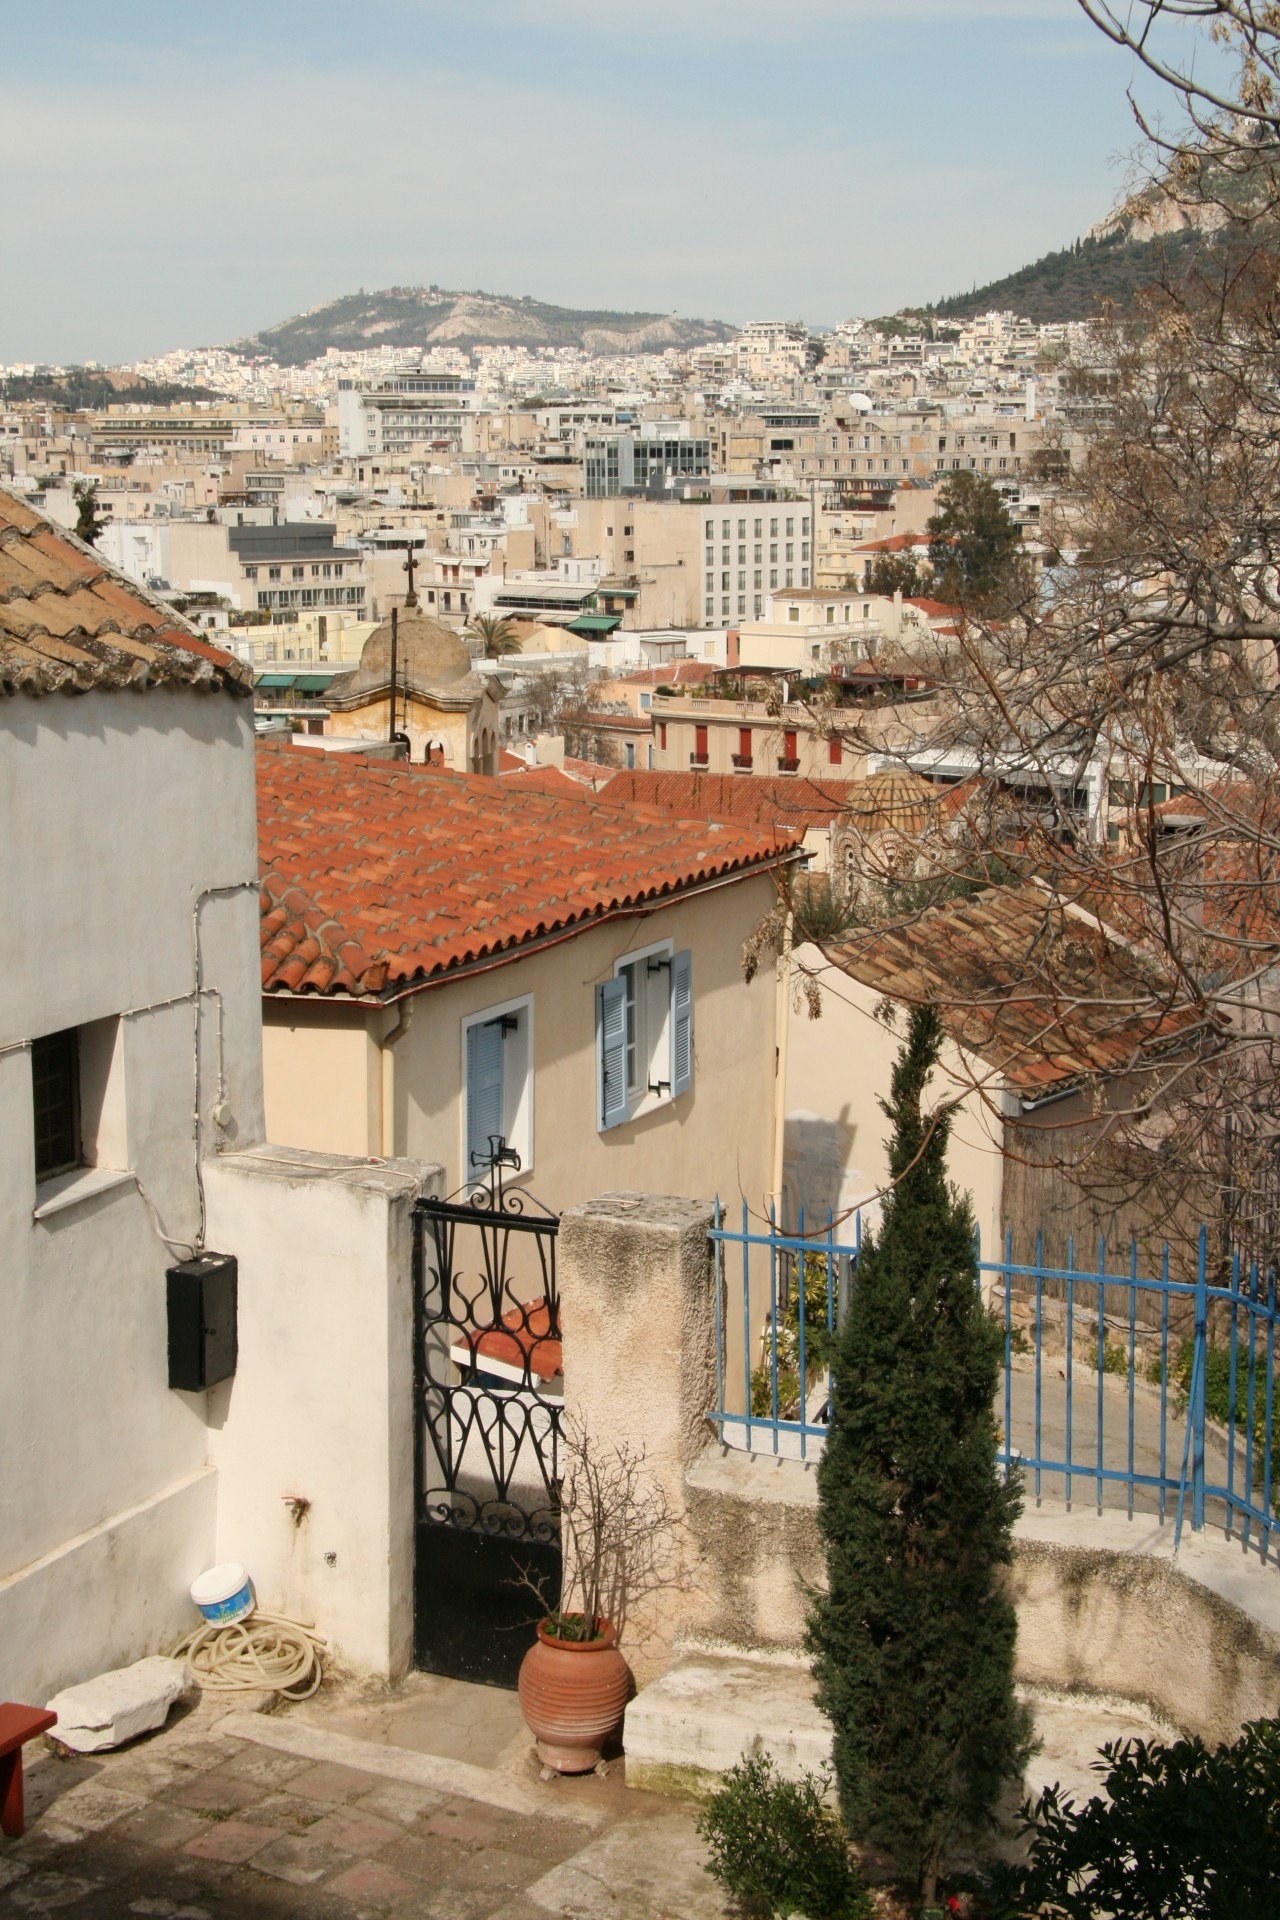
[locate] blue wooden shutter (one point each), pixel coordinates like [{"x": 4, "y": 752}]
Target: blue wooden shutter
[
  {"x": 611, "y": 1053},
  {"x": 681, "y": 1023},
  {"x": 485, "y": 1103}
]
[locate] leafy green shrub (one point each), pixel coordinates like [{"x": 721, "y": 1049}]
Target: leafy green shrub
[
  {"x": 1217, "y": 1381},
  {"x": 817, "y": 1345},
  {"x": 778, "y": 1848},
  {"x": 1115, "y": 1356},
  {"x": 1187, "y": 1834}
]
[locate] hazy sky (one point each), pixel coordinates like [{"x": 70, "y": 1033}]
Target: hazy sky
[{"x": 177, "y": 174}]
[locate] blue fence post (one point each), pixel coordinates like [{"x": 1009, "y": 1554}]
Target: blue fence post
[{"x": 1197, "y": 1387}]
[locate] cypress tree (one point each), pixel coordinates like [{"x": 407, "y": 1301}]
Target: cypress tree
[{"x": 913, "y": 1642}]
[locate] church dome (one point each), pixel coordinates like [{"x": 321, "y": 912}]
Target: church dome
[{"x": 428, "y": 654}]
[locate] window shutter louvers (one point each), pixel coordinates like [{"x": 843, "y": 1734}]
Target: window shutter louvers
[
  {"x": 681, "y": 1023},
  {"x": 485, "y": 1101},
  {"x": 611, "y": 1053}
]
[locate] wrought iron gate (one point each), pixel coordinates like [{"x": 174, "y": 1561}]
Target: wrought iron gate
[{"x": 488, "y": 1423}]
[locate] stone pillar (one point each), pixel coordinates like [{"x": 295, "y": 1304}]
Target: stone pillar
[{"x": 636, "y": 1282}]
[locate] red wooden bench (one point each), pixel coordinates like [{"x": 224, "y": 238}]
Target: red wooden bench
[{"x": 17, "y": 1726}]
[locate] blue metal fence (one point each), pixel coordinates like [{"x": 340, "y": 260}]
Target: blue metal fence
[{"x": 1142, "y": 1393}]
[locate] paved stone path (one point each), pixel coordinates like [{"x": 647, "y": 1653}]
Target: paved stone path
[{"x": 198, "y": 1823}]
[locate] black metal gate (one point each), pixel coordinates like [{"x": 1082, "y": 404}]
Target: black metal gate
[{"x": 488, "y": 1421}]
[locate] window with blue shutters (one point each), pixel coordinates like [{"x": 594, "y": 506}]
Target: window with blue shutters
[
  {"x": 612, "y": 1098},
  {"x": 498, "y": 1091},
  {"x": 644, "y": 1034}
]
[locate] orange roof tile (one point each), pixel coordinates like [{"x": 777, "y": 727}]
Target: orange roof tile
[
  {"x": 68, "y": 622},
  {"x": 377, "y": 876},
  {"x": 1037, "y": 990},
  {"x": 773, "y": 806}
]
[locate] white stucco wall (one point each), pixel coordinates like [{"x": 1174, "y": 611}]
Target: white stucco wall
[
  {"x": 321, "y": 1405},
  {"x": 119, "y": 811}
]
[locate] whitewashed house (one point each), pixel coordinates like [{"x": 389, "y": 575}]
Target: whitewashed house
[{"x": 131, "y": 1140}]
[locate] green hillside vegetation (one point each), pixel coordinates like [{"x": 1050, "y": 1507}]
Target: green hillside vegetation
[
  {"x": 81, "y": 387},
  {"x": 1074, "y": 283},
  {"x": 431, "y": 317}
]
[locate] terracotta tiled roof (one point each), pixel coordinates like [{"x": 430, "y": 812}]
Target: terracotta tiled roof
[
  {"x": 376, "y": 875},
  {"x": 69, "y": 622},
  {"x": 936, "y": 609},
  {"x": 1040, "y": 992},
  {"x": 772, "y": 806},
  {"x": 677, "y": 673},
  {"x": 894, "y": 543}
]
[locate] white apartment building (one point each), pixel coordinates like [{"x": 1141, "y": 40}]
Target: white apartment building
[
  {"x": 405, "y": 409},
  {"x": 752, "y": 550}
]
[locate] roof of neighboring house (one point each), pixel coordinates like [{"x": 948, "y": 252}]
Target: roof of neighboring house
[
  {"x": 69, "y": 622},
  {"x": 677, "y": 673},
  {"x": 1036, "y": 988},
  {"x": 894, "y": 543},
  {"x": 768, "y": 804},
  {"x": 936, "y": 609},
  {"x": 378, "y": 876}
]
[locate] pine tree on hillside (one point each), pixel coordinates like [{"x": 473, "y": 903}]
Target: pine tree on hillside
[{"x": 913, "y": 1643}]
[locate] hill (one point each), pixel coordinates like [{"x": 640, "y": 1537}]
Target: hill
[
  {"x": 1074, "y": 283},
  {"x": 431, "y": 317},
  {"x": 81, "y": 387}
]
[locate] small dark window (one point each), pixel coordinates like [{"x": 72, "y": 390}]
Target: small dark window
[{"x": 55, "y": 1076}]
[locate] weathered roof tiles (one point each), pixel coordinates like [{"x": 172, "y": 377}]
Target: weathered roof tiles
[
  {"x": 377, "y": 875},
  {"x": 68, "y": 623}
]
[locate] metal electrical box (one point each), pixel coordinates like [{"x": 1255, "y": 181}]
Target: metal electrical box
[{"x": 202, "y": 1321}]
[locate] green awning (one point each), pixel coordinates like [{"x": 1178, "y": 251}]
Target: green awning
[
  {"x": 594, "y": 623},
  {"x": 276, "y": 679},
  {"x": 312, "y": 682}
]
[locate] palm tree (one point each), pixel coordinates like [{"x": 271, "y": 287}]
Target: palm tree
[{"x": 496, "y": 633}]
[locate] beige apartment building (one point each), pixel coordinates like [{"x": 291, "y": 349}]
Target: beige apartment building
[
  {"x": 797, "y": 446},
  {"x": 747, "y": 725},
  {"x": 689, "y": 563},
  {"x": 817, "y": 629}
]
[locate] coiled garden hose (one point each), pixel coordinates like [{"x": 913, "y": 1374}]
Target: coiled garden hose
[{"x": 263, "y": 1652}]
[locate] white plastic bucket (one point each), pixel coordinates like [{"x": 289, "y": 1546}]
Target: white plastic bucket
[{"x": 223, "y": 1594}]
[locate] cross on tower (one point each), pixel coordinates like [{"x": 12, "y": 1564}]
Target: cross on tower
[{"x": 410, "y": 566}]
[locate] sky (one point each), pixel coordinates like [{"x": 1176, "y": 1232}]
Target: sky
[{"x": 178, "y": 175}]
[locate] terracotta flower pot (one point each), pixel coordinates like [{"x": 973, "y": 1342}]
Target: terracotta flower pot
[{"x": 572, "y": 1694}]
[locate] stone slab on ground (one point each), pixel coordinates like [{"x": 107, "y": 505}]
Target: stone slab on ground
[
  {"x": 118, "y": 1706},
  {"x": 685, "y": 1730},
  {"x": 641, "y": 1870}
]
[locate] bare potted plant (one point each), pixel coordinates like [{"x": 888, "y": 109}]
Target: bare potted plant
[{"x": 616, "y": 1529}]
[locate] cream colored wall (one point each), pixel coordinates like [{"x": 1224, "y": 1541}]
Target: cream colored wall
[
  {"x": 838, "y": 1067},
  {"x": 320, "y": 1066},
  {"x": 723, "y": 720},
  {"x": 422, "y": 724},
  {"x": 717, "y": 1138}
]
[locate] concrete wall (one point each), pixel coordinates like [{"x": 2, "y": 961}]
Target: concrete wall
[
  {"x": 123, "y": 810},
  {"x": 321, "y": 1406},
  {"x": 838, "y": 1069},
  {"x": 1102, "y": 1603},
  {"x": 716, "y": 1138}
]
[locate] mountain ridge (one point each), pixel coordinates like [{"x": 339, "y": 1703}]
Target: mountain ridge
[{"x": 413, "y": 316}]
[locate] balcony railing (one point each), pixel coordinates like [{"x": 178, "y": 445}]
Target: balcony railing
[
  {"x": 699, "y": 761},
  {"x": 743, "y": 762},
  {"x": 788, "y": 764}
]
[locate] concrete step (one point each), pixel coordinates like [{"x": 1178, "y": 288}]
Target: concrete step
[{"x": 684, "y": 1731}]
